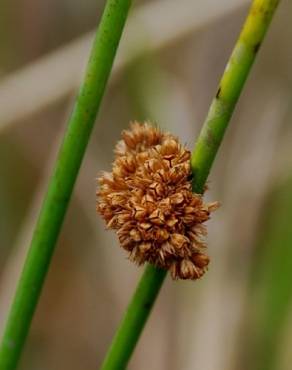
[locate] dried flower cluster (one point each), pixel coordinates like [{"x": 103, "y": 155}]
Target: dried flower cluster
[{"x": 148, "y": 200}]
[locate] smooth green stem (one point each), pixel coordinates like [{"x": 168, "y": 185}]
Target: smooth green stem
[
  {"x": 203, "y": 156},
  {"x": 134, "y": 320},
  {"x": 62, "y": 181},
  {"x": 230, "y": 87}
]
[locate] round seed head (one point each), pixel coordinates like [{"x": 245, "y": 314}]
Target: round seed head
[{"x": 147, "y": 199}]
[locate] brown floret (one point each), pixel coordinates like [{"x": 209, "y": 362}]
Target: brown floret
[{"x": 148, "y": 200}]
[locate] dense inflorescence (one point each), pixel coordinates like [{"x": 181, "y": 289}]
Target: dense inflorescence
[{"x": 148, "y": 200}]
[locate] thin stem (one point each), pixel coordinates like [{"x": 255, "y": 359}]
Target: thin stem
[
  {"x": 62, "y": 181},
  {"x": 207, "y": 145},
  {"x": 230, "y": 87},
  {"x": 134, "y": 320}
]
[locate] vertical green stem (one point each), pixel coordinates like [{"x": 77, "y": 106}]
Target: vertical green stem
[
  {"x": 207, "y": 145},
  {"x": 62, "y": 181}
]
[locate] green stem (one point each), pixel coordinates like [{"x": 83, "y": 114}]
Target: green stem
[
  {"x": 207, "y": 145},
  {"x": 134, "y": 320},
  {"x": 62, "y": 181}
]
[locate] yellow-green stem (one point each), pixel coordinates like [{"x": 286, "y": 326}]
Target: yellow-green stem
[
  {"x": 229, "y": 89},
  {"x": 207, "y": 145}
]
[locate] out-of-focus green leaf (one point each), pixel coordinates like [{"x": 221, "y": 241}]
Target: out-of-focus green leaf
[{"x": 271, "y": 284}]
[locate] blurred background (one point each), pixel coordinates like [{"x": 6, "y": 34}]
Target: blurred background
[{"x": 239, "y": 316}]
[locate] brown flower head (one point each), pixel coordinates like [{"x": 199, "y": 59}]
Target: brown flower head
[{"x": 148, "y": 200}]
